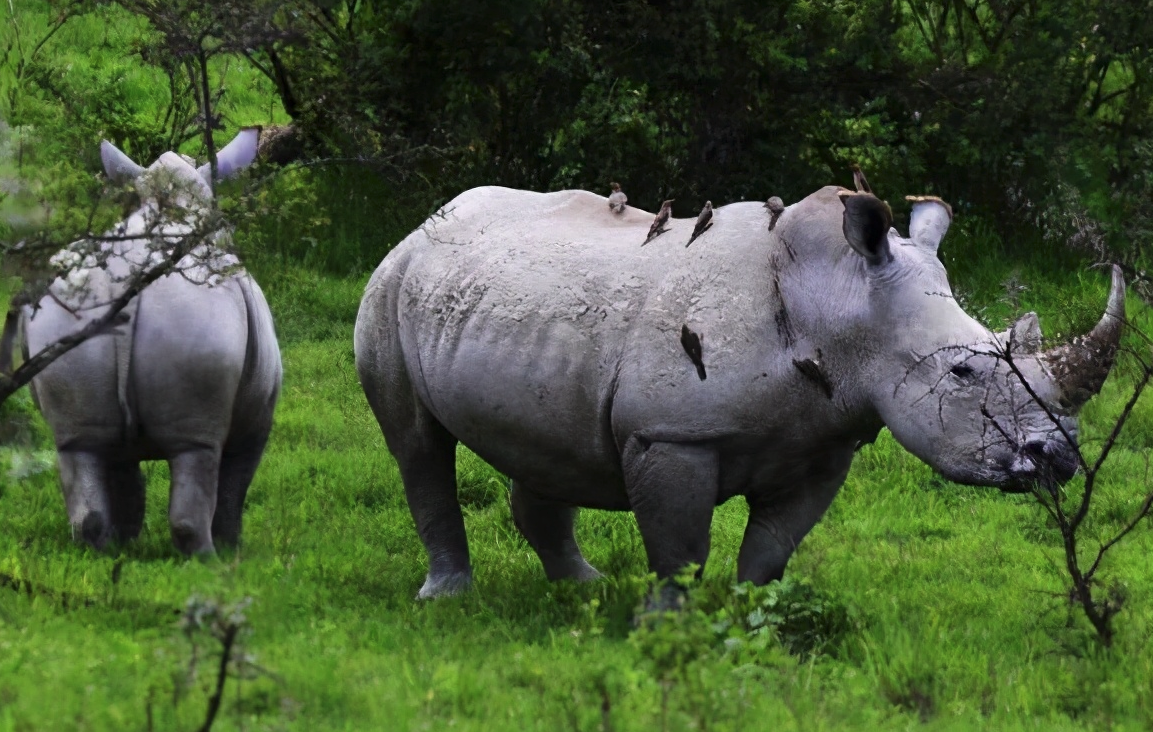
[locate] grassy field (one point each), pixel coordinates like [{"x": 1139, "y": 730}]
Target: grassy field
[{"x": 915, "y": 603}]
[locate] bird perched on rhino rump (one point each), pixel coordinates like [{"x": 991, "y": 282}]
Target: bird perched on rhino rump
[
  {"x": 776, "y": 207},
  {"x": 859, "y": 180},
  {"x": 704, "y": 222},
  {"x": 617, "y": 199},
  {"x": 659, "y": 222}
]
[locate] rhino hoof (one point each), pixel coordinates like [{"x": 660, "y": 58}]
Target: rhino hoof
[
  {"x": 580, "y": 571},
  {"x": 191, "y": 542},
  {"x": 445, "y": 585},
  {"x": 95, "y": 530}
]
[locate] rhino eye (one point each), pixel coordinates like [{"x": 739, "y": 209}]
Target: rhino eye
[{"x": 962, "y": 371}]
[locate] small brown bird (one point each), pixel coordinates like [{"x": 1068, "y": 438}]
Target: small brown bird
[
  {"x": 659, "y": 222},
  {"x": 617, "y": 199},
  {"x": 691, "y": 342},
  {"x": 704, "y": 222},
  {"x": 812, "y": 369},
  {"x": 859, "y": 180},
  {"x": 776, "y": 207}
]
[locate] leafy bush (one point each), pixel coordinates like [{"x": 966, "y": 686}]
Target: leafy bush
[{"x": 746, "y": 623}]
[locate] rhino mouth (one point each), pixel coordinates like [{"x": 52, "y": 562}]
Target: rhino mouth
[{"x": 1040, "y": 464}]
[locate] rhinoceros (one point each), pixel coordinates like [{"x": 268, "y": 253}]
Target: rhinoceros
[
  {"x": 191, "y": 378},
  {"x": 536, "y": 330}
]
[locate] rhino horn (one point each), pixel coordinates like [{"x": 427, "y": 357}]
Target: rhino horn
[
  {"x": 119, "y": 167},
  {"x": 1081, "y": 366},
  {"x": 929, "y": 220}
]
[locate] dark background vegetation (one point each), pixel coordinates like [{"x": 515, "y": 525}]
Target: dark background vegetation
[{"x": 1029, "y": 115}]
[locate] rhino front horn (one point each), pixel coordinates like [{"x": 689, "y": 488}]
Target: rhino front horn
[{"x": 1080, "y": 367}]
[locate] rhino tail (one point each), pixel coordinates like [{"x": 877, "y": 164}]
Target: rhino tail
[{"x": 123, "y": 341}]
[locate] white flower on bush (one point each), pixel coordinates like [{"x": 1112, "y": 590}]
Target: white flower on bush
[
  {"x": 77, "y": 279},
  {"x": 65, "y": 260}
]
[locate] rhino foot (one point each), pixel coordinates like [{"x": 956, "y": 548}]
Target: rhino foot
[
  {"x": 587, "y": 573},
  {"x": 572, "y": 568},
  {"x": 191, "y": 541},
  {"x": 445, "y": 585},
  {"x": 95, "y": 531}
]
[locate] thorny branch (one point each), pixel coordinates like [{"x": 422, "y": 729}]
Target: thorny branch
[{"x": 1086, "y": 589}]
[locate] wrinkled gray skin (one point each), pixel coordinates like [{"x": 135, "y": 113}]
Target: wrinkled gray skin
[
  {"x": 192, "y": 378},
  {"x": 537, "y": 331}
]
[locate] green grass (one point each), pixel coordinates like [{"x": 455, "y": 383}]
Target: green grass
[{"x": 953, "y": 591}]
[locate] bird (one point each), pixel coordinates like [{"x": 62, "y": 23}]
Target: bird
[
  {"x": 659, "y": 222},
  {"x": 691, "y": 342},
  {"x": 776, "y": 207},
  {"x": 859, "y": 180},
  {"x": 617, "y": 199},
  {"x": 703, "y": 222},
  {"x": 812, "y": 369}
]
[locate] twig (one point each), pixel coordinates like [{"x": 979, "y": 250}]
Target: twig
[{"x": 226, "y": 643}]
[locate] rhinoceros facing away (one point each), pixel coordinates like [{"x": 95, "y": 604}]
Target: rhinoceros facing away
[
  {"x": 537, "y": 331},
  {"x": 192, "y": 378}
]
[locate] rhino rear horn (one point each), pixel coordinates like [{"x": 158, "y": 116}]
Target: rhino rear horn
[
  {"x": 1081, "y": 366},
  {"x": 117, "y": 166},
  {"x": 929, "y": 220},
  {"x": 233, "y": 157},
  {"x": 866, "y": 224}
]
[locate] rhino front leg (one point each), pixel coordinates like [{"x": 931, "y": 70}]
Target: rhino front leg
[
  {"x": 672, "y": 490},
  {"x": 83, "y": 478},
  {"x": 548, "y": 528},
  {"x": 193, "y": 500},
  {"x": 776, "y": 527}
]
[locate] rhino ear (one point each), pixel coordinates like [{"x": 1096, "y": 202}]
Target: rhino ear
[
  {"x": 117, "y": 166},
  {"x": 233, "y": 157},
  {"x": 866, "y": 225},
  {"x": 1025, "y": 335},
  {"x": 929, "y": 221}
]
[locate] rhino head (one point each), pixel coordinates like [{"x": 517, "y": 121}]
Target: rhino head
[
  {"x": 982, "y": 408},
  {"x": 172, "y": 170}
]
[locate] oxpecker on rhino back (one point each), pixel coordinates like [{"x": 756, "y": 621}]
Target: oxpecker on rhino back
[
  {"x": 192, "y": 377},
  {"x": 523, "y": 326}
]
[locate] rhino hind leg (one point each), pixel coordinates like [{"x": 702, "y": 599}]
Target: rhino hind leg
[
  {"x": 426, "y": 456},
  {"x": 672, "y": 490},
  {"x": 548, "y": 528},
  {"x": 193, "y": 500},
  {"x": 84, "y": 482},
  {"x": 237, "y": 467},
  {"x": 126, "y": 498},
  {"x": 424, "y": 450}
]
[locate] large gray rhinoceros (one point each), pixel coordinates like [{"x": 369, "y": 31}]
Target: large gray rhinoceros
[
  {"x": 535, "y": 329},
  {"x": 192, "y": 378}
]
